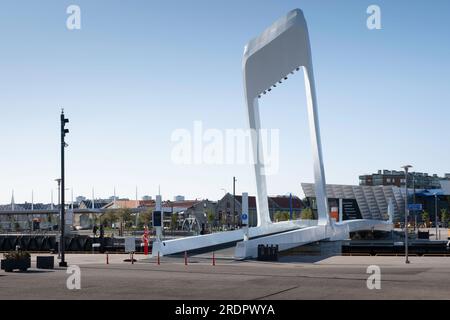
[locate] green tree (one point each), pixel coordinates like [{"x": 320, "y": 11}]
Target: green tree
[
  {"x": 125, "y": 218},
  {"x": 145, "y": 218},
  {"x": 307, "y": 214},
  {"x": 211, "y": 217},
  {"x": 444, "y": 217},
  {"x": 425, "y": 218},
  {"x": 174, "y": 221},
  {"x": 94, "y": 219},
  {"x": 281, "y": 216},
  {"x": 109, "y": 217}
]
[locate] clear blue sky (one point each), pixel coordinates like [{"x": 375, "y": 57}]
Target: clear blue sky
[{"x": 137, "y": 70}]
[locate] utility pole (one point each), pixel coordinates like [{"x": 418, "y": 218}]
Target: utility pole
[
  {"x": 436, "y": 214},
  {"x": 406, "y": 168},
  {"x": 137, "y": 209},
  {"x": 52, "y": 204},
  {"x": 58, "y": 181},
  {"x": 234, "y": 201},
  {"x": 414, "y": 199},
  {"x": 13, "y": 203},
  {"x": 64, "y": 131},
  {"x": 290, "y": 206}
]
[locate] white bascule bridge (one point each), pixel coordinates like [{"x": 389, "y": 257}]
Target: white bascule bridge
[{"x": 269, "y": 59}]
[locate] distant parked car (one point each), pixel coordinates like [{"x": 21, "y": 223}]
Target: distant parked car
[{"x": 78, "y": 228}]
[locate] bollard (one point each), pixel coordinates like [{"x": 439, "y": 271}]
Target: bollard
[
  {"x": 107, "y": 258},
  {"x": 214, "y": 259},
  {"x": 159, "y": 259},
  {"x": 185, "y": 258},
  {"x": 132, "y": 258}
]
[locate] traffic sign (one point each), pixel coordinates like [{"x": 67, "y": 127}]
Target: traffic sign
[
  {"x": 157, "y": 218},
  {"x": 130, "y": 245},
  {"x": 415, "y": 207},
  {"x": 244, "y": 219}
]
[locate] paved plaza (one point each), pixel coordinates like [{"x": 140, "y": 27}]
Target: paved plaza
[{"x": 337, "y": 277}]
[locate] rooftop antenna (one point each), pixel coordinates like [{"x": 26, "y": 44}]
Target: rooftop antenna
[
  {"x": 137, "y": 206},
  {"x": 279, "y": 51},
  {"x": 93, "y": 200},
  {"x": 137, "y": 195},
  {"x": 13, "y": 204},
  {"x": 51, "y": 204},
  {"x": 32, "y": 200}
]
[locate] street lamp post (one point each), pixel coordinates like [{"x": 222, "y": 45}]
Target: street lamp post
[
  {"x": 414, "y": 200},
  {"x": 436, "y": 213},
  {"x": 58, "y": 181},
  {"x": 234, "y": 202},
  {"x": 64, "y": 131},
  {"x": 406, "y": 168}
]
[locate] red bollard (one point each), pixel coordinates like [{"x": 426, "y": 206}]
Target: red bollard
[
  {"x": 146, "y": 248},
  {"x": 214, "y": 258},
  {"x": 185, "y": 258},
  {"x": 145, "y": 239}
]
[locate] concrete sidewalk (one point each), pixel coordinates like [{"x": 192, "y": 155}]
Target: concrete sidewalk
[{"x": 332, "y": 278}]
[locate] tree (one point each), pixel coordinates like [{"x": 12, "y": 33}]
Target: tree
[
  {"x": 174, "y": 221},
  {"x": 426, "y": 218},
  {"x": 125, "y": 219},
  {"x": 125, "y": 216},
  {"x": 109, "y": 217},
  {"x": 94, "y": 219},
  {"x": 211, "y": 217},
  {"x": 281, "y": 216},
  {"x": 444, "y": 217},
  {"x": 307, "y": 214},
  {"x": 145, "y": 218},
  {"x": 224, "y": 218}
]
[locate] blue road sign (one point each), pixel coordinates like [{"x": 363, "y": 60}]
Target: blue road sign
[
  {"x": 244, "y": 217},
  {"x": 415, "y": 207}
]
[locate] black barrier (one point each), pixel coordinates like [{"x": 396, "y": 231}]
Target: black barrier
[
  {"x": 8, "y": 244},
  {"x": 32, "y": 245},
  {"x": 74, "y": 243},
  {"x": 2, "y": 242},
  {"x": 419, "y": 248},
  {"x": 88, "y": 244},
  {"x": 423, "y": 235},
  {"x": 267, "y": 253},
  {"x": 45, "y": 262},
  {"x": 39, "y": 241}
]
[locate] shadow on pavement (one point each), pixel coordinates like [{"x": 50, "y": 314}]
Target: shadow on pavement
[{"x": 302, "y": 259}]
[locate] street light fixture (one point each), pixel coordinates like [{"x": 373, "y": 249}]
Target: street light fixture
[
  {"x": 406, "y": 168},
  {"x": 64, "y": 145},
  {"x": 436, "y": 214},
  {"x": 234, "y": 202},
  {"x": 58, "y": 181}
]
